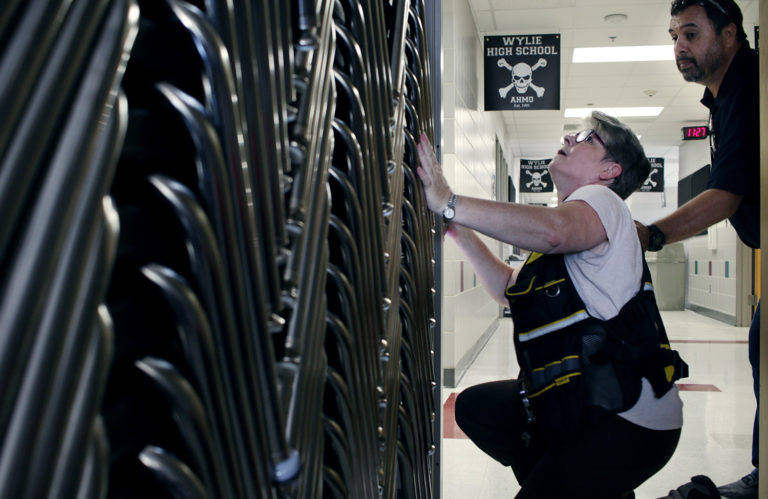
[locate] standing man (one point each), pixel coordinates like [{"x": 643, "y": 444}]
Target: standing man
[{"x": 711, "y": 49}]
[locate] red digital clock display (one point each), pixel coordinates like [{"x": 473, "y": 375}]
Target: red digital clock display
[{"x": 695, "y": 132}]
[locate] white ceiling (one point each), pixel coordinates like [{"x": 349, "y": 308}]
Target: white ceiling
[{"x": 581, "y": 24}]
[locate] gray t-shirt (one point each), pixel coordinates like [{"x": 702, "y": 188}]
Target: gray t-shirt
[{"x": 608, "y": 276}]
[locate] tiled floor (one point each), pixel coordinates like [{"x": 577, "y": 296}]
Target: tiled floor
[{"x": 718, "y": 413}]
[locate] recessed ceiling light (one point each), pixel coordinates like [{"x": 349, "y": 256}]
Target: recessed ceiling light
[
  {"x": 624, "y": 54},
  {"x": 615, "y": 18},
  {"x": 618, "y": 112}
]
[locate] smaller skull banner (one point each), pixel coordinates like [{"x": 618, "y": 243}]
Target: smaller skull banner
[
  {"x": 655, "y": 180},
  {"x": 534, "y": 176}
]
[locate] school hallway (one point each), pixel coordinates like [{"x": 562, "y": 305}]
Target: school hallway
[{"x": 718, "y": 412}]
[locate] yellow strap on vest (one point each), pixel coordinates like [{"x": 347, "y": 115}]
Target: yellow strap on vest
[{"x": 558, "y": 382}]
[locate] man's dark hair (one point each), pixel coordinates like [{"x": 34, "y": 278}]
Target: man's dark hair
[
  {"x": 623, "y": 147},
  {"x": 720, "y": 13}
]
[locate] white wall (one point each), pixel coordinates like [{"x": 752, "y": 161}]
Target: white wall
[
  {"x": 713, "y": 259},
  {"x": 469, "y": 163}
]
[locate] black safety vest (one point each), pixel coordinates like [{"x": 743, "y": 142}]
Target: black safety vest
[{"x": 574, "y": 365}]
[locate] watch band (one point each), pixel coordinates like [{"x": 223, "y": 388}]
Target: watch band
[
  {"x": 657, "y": 239},
  {"x": 450, "y": 211}
]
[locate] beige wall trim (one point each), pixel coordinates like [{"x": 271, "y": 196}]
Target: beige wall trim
[
  {"x": 452, "y": 376},
  {"x": 716, "y": 314},
  {"x": 744, "y": 280}
]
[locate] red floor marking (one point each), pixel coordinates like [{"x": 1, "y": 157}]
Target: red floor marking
[
  {"x": 692, "y": 387},
  {"x": 450, "y": 428}
]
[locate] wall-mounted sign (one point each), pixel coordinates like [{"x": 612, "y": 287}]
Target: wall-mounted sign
[
  {"x": 655, "y": 180},
  {"x": 695, "y": 132},
  {"x": 534, "y": 176},
  {"x": 522, "y": 72}
]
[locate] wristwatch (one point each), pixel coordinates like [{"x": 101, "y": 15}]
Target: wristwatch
[
  {"x": 450, "y": 211},
  {"x": 657, "y": 239}
]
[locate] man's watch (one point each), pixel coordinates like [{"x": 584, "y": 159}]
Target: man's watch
[
  {"x": 657, "y": 239},
  {"x": 450, "y": 211}
]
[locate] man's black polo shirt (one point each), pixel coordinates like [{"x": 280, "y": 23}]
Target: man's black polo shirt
[{"x": 735, "y": 119}]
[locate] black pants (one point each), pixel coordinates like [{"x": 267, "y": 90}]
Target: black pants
[
  {"x": 754, "y": 361},
  {"x": 607, "y": 460}
]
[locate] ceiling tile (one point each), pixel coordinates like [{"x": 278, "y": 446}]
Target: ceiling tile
[{"x": 484, "y": 21}]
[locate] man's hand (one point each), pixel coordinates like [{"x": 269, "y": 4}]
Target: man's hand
[
  {"x": 430, "y": 172},
  {"x": 703, "y": 211}
]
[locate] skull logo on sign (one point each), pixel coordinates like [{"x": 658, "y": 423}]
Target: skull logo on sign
[
  {"x": 522, "y": 75},
  {"x": 650, "y": 180},
  {"x": 536, "y": 180}
]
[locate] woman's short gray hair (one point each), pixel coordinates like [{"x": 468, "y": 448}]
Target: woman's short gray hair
[{"x": 624, "y": 148}]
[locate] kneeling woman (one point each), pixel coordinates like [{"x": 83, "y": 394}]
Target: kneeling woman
[{"x": 595, "y": 411}]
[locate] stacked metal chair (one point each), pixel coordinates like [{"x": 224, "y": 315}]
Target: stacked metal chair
[
  {"x": 217, "y": 265},
  {"x": 64, "y": 119},
  {"x": 417, "y": 376}
]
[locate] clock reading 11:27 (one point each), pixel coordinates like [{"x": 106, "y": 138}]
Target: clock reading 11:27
[{"x": 695, "y": 132}]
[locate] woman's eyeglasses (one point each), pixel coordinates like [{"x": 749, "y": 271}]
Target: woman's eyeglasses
[{"x": 584, "y": 136}]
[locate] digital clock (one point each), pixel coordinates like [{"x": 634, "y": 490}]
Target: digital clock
[{"x": 695, "y": 132}]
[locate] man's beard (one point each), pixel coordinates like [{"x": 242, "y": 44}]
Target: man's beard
[
  {"x": 700, "y": 73},
  {"x": 691, "y": 73}
]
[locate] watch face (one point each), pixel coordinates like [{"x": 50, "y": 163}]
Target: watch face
[
  {"x": 449, "y": 213},
  {"x": 657, "y": 241}
]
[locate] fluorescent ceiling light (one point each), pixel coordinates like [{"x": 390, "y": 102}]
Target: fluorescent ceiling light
[
  {"x": 618, "y": 112},
  {"x": 624, "y": 54}
]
